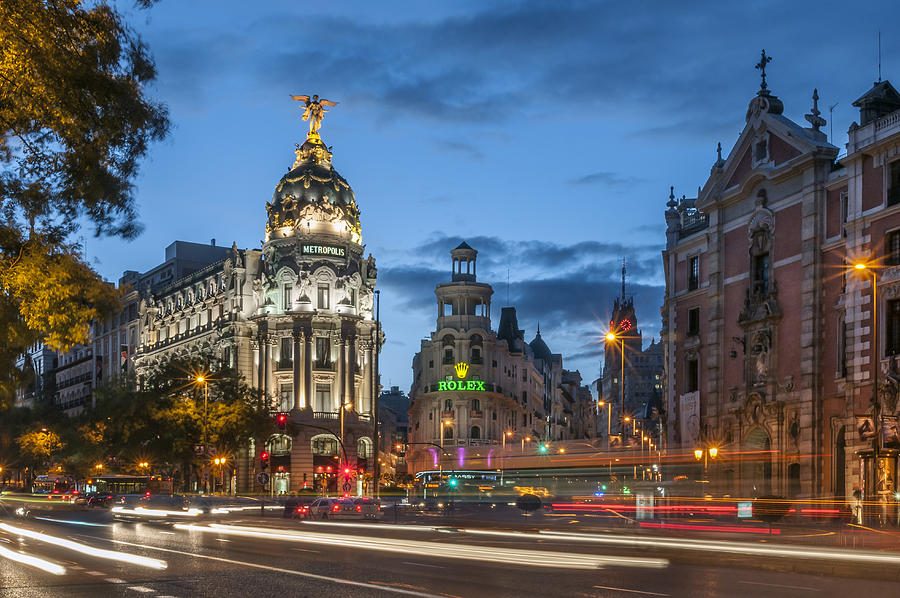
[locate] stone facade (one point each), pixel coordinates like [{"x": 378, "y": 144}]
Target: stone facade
[
  {"x": 767, "y": 335},
  {"x": 295, "y": 318}
]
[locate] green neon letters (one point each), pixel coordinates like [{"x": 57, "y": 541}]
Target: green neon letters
[{"x": 461, "y": 385}]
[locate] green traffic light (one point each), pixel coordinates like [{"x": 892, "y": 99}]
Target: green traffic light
[
  {"x": 543, "y": 448},
  {"x": 452, "y": 481}
]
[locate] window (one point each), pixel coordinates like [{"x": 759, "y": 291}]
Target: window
[
  {"x": 448, "y": 432},
  {"x": 323, "y": 397},
  {"x": 845, "y": 206},
  {"x": 364, "y": 448},
  {"x": 761, "y": 274},
  {"x": 324, "y": 444},
  {"x": 448, "y": 356},
  {"x": 892, "y": 332},
  {"x": 431, "y": 364},
  {"x": 493, "y": 363},
  {"x": 287, "y": 297},
  {"x": 893, "y": 193},
  {"x": 323, "y": 296},
  {"x": 524, "y": 397},
  {"x": 448, "y": 405},
  {"x": 476, "y": 405},
  {"x": 892, "y": 248},
  {"x": 323, "y": 352},
  {"x": 842, "y": 348},
  {"x": 692, "y": 375},
  {"x": 353, "y": 297},
  {"x": 693, "y": 321},
  {"x": 226, "y": 357},
  {"x": 286, "y": 397},
  {"x": 494, "y": 416},
  {"x": 280, "y": 445},
  {"x": 476, "y": 355},
  {"x": 762, "y": 150},
  {"x": 694, "y": 273},
  {"x": 475, "y": 433},
  {"x": 285, "y": 360}
]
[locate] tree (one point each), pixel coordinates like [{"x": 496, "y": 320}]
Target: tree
[
  {"x": 74, "y": 124},
  {"x": 40, "y": 446}
]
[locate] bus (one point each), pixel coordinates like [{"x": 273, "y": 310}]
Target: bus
[
  {"x": 129, "y": 484},
  {"x": 55, "y": 486}
]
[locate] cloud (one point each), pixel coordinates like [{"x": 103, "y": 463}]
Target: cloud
[
  {"x": 467, "y": 149},
  {"x": 608, "y": 179}
]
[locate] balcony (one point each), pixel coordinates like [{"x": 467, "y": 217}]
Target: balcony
[
  {"x": 448, "y": 414},
  {"x": 333, "y": 415},
  {"x": 476, "y": 414},
  {"x": 284, "y": 364},
  {"x": 323, "y": 365}
]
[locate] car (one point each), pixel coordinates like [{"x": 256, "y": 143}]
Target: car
[
  {"x": 371, "y": 508},
  {"x": 334, "y": 508},
  {"x": 100, "y": 499}
]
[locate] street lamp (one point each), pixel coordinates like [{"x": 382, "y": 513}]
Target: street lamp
[
  {"x": 876, "y": 404},
  {"x": 524, "y": 440},
  {"x": 705, "y": 454},
  {"x": 600, "y": 404},
  {"x": 344, "y": 407},
  {"x": 202, "y": 379},
  {"x": 445, "y": 422},
  {"x": 612, "y": 337}
]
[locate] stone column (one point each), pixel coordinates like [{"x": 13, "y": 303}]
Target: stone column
[
  {"x": 307, "y": 366},
  {"x": 266, "y": 367},
  {"x": 341, "y": 367},
  {"x": 296, "y": 362},
  {"x": 351, "y": 373}
]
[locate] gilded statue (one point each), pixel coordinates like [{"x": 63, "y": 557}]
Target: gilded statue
[{"x": 314, "y": 111}]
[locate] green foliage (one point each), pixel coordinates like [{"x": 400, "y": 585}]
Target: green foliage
[{"x": 74, "y": 124}]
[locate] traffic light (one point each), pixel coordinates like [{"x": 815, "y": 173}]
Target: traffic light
[
  {"x": 543, "y": 448},
  {"x": 452, "y": 482},
  {"x": 264, "y": 460},
  {"x": 281, "y": 419}
]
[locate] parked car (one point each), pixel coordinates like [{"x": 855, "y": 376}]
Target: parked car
[
  {"x": 334, "y": 508},
  {"x": 371, "y": 508}
]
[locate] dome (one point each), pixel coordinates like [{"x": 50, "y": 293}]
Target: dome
[
  {"x": 313, "y": 191},
  {"x": 540, "y": 348}
]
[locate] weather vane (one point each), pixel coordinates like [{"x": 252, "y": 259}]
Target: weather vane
[
  {"x": 761, "y": 65},
  {"x": 314, "y": 111}
]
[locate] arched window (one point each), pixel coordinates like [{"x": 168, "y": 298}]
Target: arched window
[
  {"x": 364, "y": 448},
  {"x": 476, "y": 405},
  {"x": 279, "y": 445},
  {"x": 324, "y": 444},
  {"x": 475, "y": 433}
]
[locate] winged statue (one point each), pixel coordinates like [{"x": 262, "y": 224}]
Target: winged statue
[{"x": 314, "y": 111}]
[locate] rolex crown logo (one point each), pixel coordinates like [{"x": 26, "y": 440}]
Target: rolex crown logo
[{"x": 461, "y": 369}]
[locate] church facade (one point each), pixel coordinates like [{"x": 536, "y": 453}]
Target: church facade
[
  {"x": 771, "y": 342},
  {"x": 296, "y": 318}
]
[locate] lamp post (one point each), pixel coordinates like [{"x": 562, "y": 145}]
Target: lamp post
[
  {"x": 524, "y": 440},
  {"x": 600, "y": 404},
  {"x": 705, "y": 454},
  {"x": 876, "y": 404},
  {"x": 613, "y": 337},
  {"x": 201, "y": 379},
  {"x": 344, "y": 407}
]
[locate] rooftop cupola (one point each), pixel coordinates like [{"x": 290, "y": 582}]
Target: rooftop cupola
[{"x": 463, "y": 263}]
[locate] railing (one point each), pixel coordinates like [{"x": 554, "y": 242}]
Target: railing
[
  {"x": 449, "y": 414},
  {"x": 326, "y": 415},
  {"x": 476, "y": 414},
  {"x": 476, "y": 361},
  {"x": 693, "y": 220},
  {"x": 75, "y": 380},
  {"x": 284, "y": 364},
  {"x": 323, "y": 365}
]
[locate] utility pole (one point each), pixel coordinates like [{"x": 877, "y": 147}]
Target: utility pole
[{"x": 376, "y": 469}]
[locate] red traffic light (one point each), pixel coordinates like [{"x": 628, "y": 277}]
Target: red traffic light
[
  {"x": 264, "y": 456},
  {"x": 281, "y": 419},
  {"x": 347, "y": 470}
]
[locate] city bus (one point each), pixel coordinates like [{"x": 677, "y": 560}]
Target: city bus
[
  {"x": 55, "y": 486},
  {"x": 129, "y": 484}
]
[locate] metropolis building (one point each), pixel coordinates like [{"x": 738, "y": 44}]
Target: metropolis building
[{"x": 295, "y": 318}]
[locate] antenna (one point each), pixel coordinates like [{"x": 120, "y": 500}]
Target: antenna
[
  {"x": 507, "y": 287},
  {"x": 831, "y": 121},
  {"x": 879, "y": 56}
]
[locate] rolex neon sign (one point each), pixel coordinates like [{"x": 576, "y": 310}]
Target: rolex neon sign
[{"x": 462, "y": 370}]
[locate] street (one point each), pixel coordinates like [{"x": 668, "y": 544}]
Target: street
[{"x": 272, "y": 556}]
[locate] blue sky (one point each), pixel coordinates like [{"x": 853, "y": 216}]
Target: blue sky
[{"x": 546, "y": 134}]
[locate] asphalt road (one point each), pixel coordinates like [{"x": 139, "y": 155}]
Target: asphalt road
[{"x": 269, "y": 557}]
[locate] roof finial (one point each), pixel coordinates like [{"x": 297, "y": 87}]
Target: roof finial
[
  {"x": 623, "y": 281},
  {"x": 672, "y": 204},
  {"x": 813, "y": 118},
  {"x": 719, "y": 152},
  {"x": 539, "y": 328},
  {"x": 761, "y": 65}
]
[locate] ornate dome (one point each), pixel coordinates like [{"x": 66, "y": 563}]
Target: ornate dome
[
  {"x": 313, "y": 192},
  {"x": 540, "y": 348}
]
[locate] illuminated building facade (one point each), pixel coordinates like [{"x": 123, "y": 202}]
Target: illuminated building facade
[
  {"x": 476, "y": 390},
  {"x": 295, "y": 318},
  {"x": 768, "y": 335}
]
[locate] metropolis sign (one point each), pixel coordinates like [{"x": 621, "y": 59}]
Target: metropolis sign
[{"x": 329, "y": 250}]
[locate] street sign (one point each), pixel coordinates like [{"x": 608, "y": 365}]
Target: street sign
[
  {"x": 347, "y": 486},
  {"x": 262, "y": 478}
]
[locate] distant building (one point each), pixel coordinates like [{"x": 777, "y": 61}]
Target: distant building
[
  {"x": 641, "y": 401},
  {"x": 474, "y": 388},
  {"x": 36, "y": 366}
]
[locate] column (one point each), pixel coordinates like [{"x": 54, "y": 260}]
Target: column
[
  {"x": 341, "y": 366},
  {"x": 297, "y": 361},
  {"x": 307, "y": 366},
  {"x": 266, "y": 367},
  {"x": 351, "y": 373},
  {"x": 368, "y": 378}
]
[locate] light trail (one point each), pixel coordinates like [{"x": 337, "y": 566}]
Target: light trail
[
  {"x": 27, "y": 559},
  {"x": 85, "y": 549},
  {"x": 401, "y": 527},
  {"x": 73, "y": 522},
  {"x": 510, "y": 556}
]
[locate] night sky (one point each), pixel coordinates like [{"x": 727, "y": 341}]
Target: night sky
[{"x": 545, "y": 134}]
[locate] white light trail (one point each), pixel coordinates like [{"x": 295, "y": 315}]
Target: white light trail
[
  {"x": 401, "y": 527},
  {"x": 34, "y": 561},
  {"x": 85, "y": 549},
  {"x": 773, "y": 550},
  {"x": 489, "y": 554}
]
